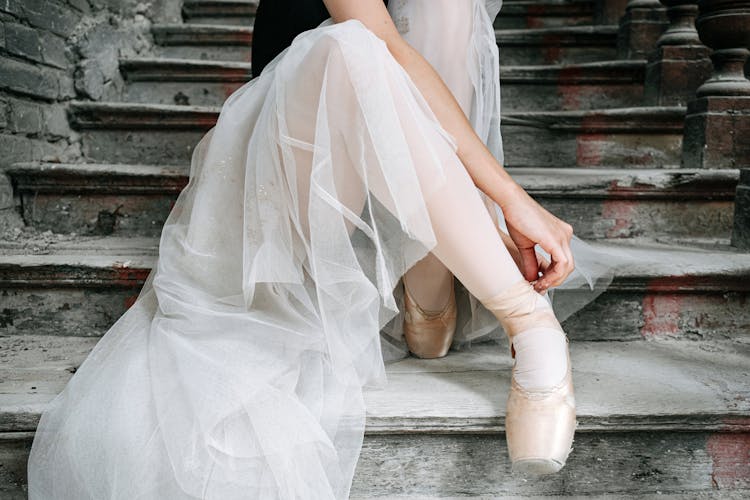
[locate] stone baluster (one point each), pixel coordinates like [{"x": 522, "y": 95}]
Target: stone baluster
[
  {"x": 680, "y": 62},
  {"x": 741, "y": 231},
  {"x": 717, "y": 124},
  {"x": 644, "y": 21}
]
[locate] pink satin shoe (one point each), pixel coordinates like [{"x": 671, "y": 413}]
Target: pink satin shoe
[
  {"x": 539, "y": 425},
  {"x": 429, "y": 334}
]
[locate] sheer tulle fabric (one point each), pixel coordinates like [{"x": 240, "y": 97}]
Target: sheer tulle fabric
[
  {"x": 469, "y": 62},
  {"x": 239, "y": 370}
]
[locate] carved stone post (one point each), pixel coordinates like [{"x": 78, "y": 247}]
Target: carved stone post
[
  {"x": 640, "y": 27},
  {"x": 680, "y": 62},
  {"x": 741, "y": 231},
  {"x": 717, "y": 124}
]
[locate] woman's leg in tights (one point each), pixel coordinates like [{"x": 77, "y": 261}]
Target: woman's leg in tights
[
  {"x": 470, "y": 246},
  {"x": 429, "y": 280},
  {"x": 468, "y": 242}
]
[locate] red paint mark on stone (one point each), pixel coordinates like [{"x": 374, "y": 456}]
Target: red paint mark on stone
[
  {"x": 589, "y": 148},
  {"x": 229, "y": 88},
  {"x": 730, "y": 456},
  {"x": 590, "y": 144},
  {"x": 128, "y": 276},
  {"x": 661, "y": 315},
  {"x": 534, "y": 15},
  {"x": 129, "y": 301},
  {"x": 570, "y": 93},
  {"x": 552, "y": 48},
  {"x": 621, "y": 213}
]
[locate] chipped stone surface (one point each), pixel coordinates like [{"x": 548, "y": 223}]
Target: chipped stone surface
[
  {"x": 653, "y": 417},
  {"x": 664, "y": 415}
]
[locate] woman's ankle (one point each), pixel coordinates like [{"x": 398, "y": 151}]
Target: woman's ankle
[{"x": 541, "y": 358}]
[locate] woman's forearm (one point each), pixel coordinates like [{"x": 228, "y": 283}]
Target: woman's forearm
[{"x": 487, "y": 174}]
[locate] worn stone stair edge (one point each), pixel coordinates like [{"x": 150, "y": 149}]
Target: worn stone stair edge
[
  {"x": 24, "y": 419},
  {"x": 556, "y": 8},
  {"x": 228, "y": 34},
  {"x": 216, "y": 8},
  {"x": 184, "y": 70},
  {"x": 593, "y": 34},
  {"x": 199, "y": 70},
  {"x": 564, "y": 183},
  {"x": 612, "y": 395},
  {"x": 585, "y": 73},
  {"x": 659, "y": 269},
  {"x": 201, "y": 34},
  {"x": 115, "y": 115}
]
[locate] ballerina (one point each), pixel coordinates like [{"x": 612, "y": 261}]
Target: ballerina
[{"x": 239, "y": 370}]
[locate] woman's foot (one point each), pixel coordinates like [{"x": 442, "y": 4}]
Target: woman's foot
[
  {"x": 429, "y": 333},
  {"x": 540, "y": 415}
]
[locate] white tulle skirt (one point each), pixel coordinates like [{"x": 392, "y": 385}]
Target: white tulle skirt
[{"x": 239, "y": 370}]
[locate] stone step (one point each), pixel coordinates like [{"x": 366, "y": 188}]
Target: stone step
[
  {"x": 240, "y": 12},
  {"x": 514, "y": 13},
  {"x": 134, "y": 200},
  {"x": 222, "y": 42},
  {"x": 564, "y": 44},
  {"x": 604, "y": 84},
  {"x": 160, "y": 80},
  {"x": 639, "y": 137},
  {"x": 81, "y": 285},
  {"x": 653, "y": 417},
  {"x": 517, "y": 46},
  {"x": 591, "y": 85},
  {"x": 636, "y": 137}
]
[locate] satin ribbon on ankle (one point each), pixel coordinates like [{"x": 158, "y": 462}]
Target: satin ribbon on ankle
[{"x": 515, "y": 308}]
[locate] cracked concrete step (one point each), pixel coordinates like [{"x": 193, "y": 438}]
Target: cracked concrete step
[
  {"x": 81, "y": 285},
  {"x": 664, "y": 417},
  {"x": 547, "y": 45},
  {"x": 599, "y": 203},
  {"x": 638, "y": 137},
  {"x": 604, "y": 84}
]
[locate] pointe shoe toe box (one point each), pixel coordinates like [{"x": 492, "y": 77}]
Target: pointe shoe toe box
[
  {"x": 540, "y": 428},
  {"x": 429, "y": 335}
]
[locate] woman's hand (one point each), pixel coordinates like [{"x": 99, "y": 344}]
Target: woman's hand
[{"x": 528, "y": 224}]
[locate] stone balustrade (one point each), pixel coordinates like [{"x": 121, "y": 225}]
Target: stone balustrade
[{"x": 717, "y": 124}]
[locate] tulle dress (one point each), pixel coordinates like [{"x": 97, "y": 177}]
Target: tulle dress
[{"x": 275, "y": 300}]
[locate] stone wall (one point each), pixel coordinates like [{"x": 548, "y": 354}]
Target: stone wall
[{"x": 52, "y": 51}]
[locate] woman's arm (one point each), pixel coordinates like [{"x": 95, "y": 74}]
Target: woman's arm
[{"x": 528, "y": 223}]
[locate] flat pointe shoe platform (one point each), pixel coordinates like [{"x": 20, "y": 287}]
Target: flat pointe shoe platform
[
  {"x": 429, "y": 334},
  {"x": 539, "y": 424}
]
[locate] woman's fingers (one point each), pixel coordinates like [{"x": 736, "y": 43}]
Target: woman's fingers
[
  {"x": 528, "y": 223},
  {"x": 530, "y": 264},
  {"x": 560, "y": 266}
]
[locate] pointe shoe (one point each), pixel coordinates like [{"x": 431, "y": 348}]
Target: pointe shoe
[
  {"x": 539, "y": 424},
  {"x": 429, "y": 334}
]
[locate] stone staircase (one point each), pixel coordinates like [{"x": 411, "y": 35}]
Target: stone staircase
[{"x": 661, "y": 360}]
